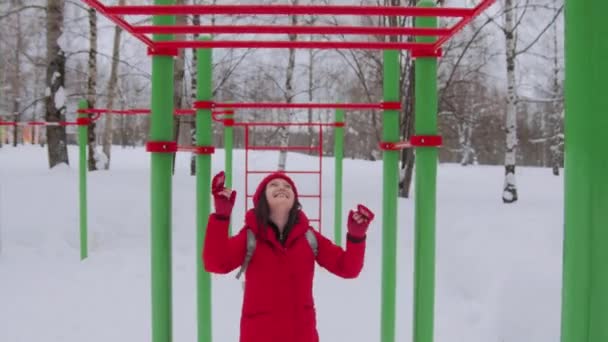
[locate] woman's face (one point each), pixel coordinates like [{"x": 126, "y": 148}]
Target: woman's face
[{"x": 279, "y": 195}]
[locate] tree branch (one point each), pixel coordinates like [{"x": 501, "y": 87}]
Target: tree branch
[{"x": 551, "y": 22}]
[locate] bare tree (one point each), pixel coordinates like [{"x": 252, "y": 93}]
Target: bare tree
[
  {"x": 92, "y": 87},
  {"x": 112, "y": 84},
  {"x": 55, "y": 80},
  {"x": 17, "y": 77},
  {"x": 289, "y": 93},
  {"x": 178, "y": 81},
  {"x": 510, "y": 30}
]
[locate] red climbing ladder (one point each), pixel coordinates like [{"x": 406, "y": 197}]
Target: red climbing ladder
[{"x": 303, "y": 193}]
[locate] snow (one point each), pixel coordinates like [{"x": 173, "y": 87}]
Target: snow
[
  {"x": 60, "y": 98},
  {"x": 498, "y": 266}
]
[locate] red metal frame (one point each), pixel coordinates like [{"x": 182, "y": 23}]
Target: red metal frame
[
  {"x": 141, "y": 32},
  {"x": 282, "y": 105},
  {"x": 319, "y": 172}
]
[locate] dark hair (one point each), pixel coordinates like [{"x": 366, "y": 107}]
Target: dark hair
[{"x": 262, "y": 214}]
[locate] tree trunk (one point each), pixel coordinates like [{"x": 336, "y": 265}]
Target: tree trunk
[
  {"x": 509, "y": 194},
  {"x": 196, "y": 21},
  {"x": 406, "y": 96},
  {"x": 556, "y": 117},
  {"x": 289, "y": 94},
  {"x": 112, "y": 83},
  {"x": 465, "y": 134},
  {"x": 55, "y": 80},
  {"x": 178, "y": 79},
  {"x": 17, "y": 77},
  {"x": 92, "y": 88}
]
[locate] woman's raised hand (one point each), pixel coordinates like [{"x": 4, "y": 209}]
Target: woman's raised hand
[{"x": 223, "y": 198}]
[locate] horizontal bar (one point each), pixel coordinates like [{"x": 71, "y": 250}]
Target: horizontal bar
[
  {"x": 301, "y": 196},
  {"x": 482, "y": 6},
  {"x": 38, "y": 123},
  {"x": 267, "y": 44},
  {"x": 106, "y": 11},
  {"x": 292, "y": 172},
  {"x": 141, "y": 111},
  {"x": 391, "y": 11},
  {"x": 284, "y": 124},
  {"x": 279, "y": 148},
  {"x": 280, "y": 29},
  {"x": 282, "y": 105}
]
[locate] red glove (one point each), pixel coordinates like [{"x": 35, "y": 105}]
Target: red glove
[
  {"x": 222, "y": 198},
  {"x": 358, "y": 221}
]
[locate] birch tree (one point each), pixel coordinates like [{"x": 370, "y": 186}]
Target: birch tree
[
  {"x": 289, "y": 94},
  {"x": 556, "y": 113},
  {"x": 510, "y": 30},
  {"x": 92, "y": 88},
  {"x": 112, "y": 84},
  {"x": 17, "y": 77},
  {"x": 178, "y": 81},
  {"x": 55, "y": 79}
]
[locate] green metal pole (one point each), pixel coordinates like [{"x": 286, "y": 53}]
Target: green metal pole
[
  {"x": 585, "y": 275},
  {"x": 161, "y": 129},
  {"x": 425, "y": 189},
  {"x": 82, "y": 169},
  {"x": 338, "y": 156},
  {"x": 204, "y": 137},
  {"x": 228, "y": 145},
  {"x": 390, "y": 133}
]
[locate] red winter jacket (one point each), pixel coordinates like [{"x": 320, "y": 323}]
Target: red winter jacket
[{"x": 278, "y": 305}]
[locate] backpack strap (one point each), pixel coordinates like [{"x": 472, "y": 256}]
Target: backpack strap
[
  {"x": 251, "y": 242},
  {"x": 312, "y": 241}
]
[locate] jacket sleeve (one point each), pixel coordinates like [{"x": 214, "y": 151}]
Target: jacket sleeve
[
  {"x": 221, "y": 253},
  {"x": 343, "y": 263}
]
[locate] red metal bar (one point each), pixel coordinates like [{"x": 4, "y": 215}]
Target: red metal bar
[
  {"x": 136, "y": 111},
  {"x": 320, "y": 176},
  {"x": 249, "y": 44},
  {"x": 394, "y": 146},
  {"x": 292, "y": 172},
  {"x": 42, "y": 123},
  {"x": 281, "y": 124},
  {"x": 246, "y": 166},
  {"x": 284, "y": 29},
  {"x": 301, "y": 196},
  {"x": 279, "y": 148},
  {"x": 485, "y": 4},
  {"x": 391, "y": 11},
  {"x": 106, "y": 11},
  {"x": 280, "y": 105},
  {"x": 197, "y": 149},
  {"x": 161, "y": 146}
]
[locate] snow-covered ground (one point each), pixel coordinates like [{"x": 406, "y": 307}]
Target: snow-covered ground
[{"x": 498, "y": 266}]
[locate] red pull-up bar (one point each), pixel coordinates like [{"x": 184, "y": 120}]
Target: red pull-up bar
[
  {"x": 283, "y": 29},
  {"x": 388, "y": 11},
  {"x": 281, "y": 105},
  {"x": 428, "y": 49}
]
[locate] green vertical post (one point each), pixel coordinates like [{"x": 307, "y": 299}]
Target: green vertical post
[
  {"x": 228, "y": 146},
  {"x": 204, "y": 137},
  {"x": 425, "y": 188},
  {"x": 338, "y": 156},
  {"x": 390, "y": 133},
  {"x": 82, "y": 180},
  {"x": 585, "y": 275},
  {"x": 161, "y": 129}
]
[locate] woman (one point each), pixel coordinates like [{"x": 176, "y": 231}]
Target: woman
[{"x": 278, "y": 303}]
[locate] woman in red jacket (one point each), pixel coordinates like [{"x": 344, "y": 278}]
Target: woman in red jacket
[{"x": 278, "y": 303}]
